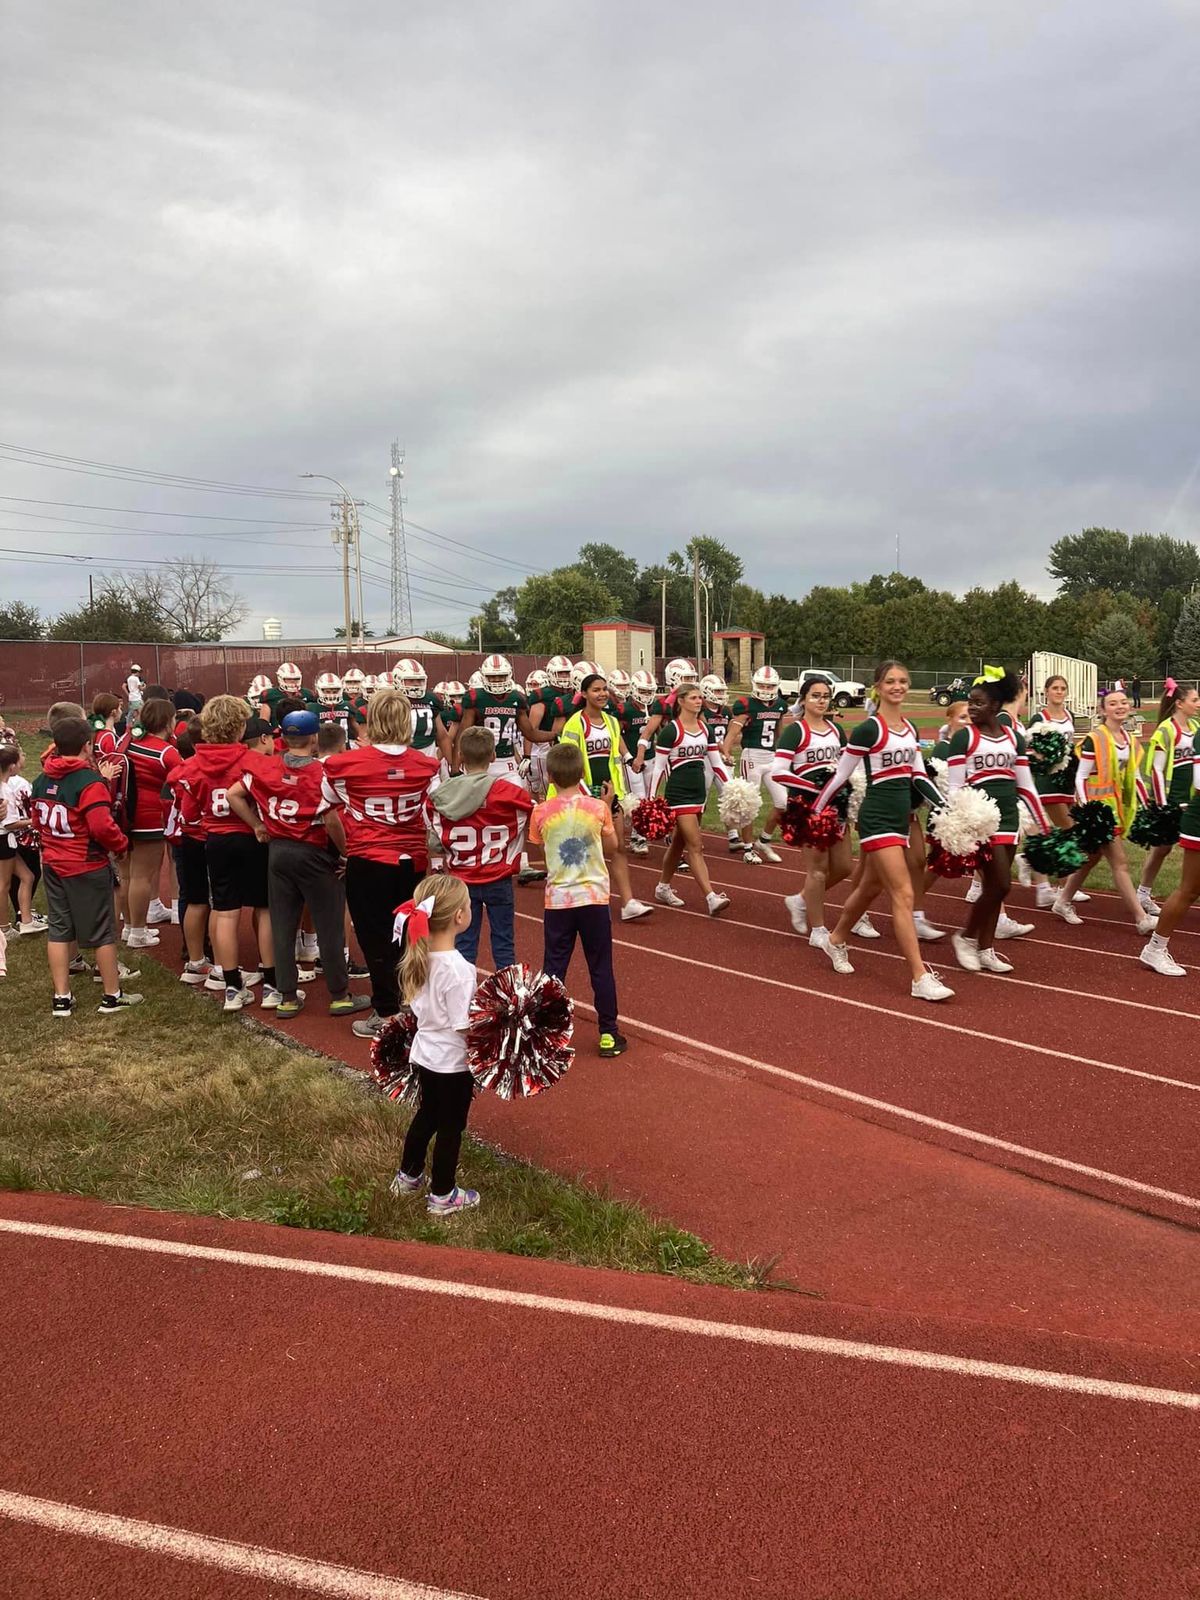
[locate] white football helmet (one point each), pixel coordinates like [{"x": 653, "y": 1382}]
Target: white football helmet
[
  {"x": 410, "y": 676},
  {"x": 258, "y": 688},
  {"x": 288, "y": 675},
  {"x": 352, "y": 682},
  {"x": 643, "y": 686},
  {"x": 679, "y": 672},
  {"x": 453, "y": 690},
  {"x": 329, "y": 688},
  {"x": 714, "y": 689},
  {"x": 765, "y": 683},
  {"x": 618, "y": 683},
  {"x": 439, "y": 689},
  {"x": 582, "y": 670},
  {"x": 558, "y": 670},
  {"x": 496, "y": 672},
  {"x": 536, "y": 682},
  {"x": 475, "y": 681},
  {"x": 370, "y": 684}
]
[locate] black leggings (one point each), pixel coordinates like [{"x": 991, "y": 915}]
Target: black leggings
[
  {"x": 373, "y": 891},
  {"x": 33, "y": 860},
  {"x": 443, "y": 1110}
]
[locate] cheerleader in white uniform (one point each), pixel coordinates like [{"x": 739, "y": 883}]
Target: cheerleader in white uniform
[{"x": 809, "y": 749}]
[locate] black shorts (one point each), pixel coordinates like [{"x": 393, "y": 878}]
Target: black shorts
[
  {"x": 81, "y": 907},
  {"x": 237, "y": 871},
  {"x": 7, "y": 851},
  {"x": 191, "y": 868}
]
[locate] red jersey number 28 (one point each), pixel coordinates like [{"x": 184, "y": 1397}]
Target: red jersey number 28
[{"x": 478, "y": 846}]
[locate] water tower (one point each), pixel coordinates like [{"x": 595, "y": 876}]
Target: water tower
[{"x": 272, "y": 628}]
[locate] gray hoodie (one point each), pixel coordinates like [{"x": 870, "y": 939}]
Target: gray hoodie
[{"x": 462, "y": 796}]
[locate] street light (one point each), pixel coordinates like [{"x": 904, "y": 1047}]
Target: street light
[
  {"x": 349, "y": 500},
  {"x": 706, "y": 585}
]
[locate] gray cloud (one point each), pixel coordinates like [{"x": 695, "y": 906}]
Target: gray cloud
[{"x": 804, "y": 278}]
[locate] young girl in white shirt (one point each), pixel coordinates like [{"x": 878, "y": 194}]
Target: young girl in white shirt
[{"x": 439, "y": 985}]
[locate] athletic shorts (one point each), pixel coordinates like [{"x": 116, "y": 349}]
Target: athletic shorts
[
  {"x": 81, "y": 907},
  {"x": 191, "y": 865},
  {"x": 237, "y": 871},
  {"x": 883, "y": 817},
  {"x": 1189, "y": 827},
  {"x": 7, "y": 850}
]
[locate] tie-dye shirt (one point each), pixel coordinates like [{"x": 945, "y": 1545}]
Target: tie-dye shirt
[{"x": 572, "y": 830}]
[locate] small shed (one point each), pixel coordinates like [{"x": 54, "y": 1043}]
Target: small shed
[
  {"x": 619, "y": 642},
  {"x": 739, "y": 649}
]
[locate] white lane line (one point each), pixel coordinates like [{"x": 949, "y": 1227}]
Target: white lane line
[
  {"x": 988, "y": 1139},
  {"x": 247, "y": 1560},
  {"x": 629, "y": 1316},
  {"x": 827, "y": 996}
]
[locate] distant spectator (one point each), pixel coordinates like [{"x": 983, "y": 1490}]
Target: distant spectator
[{"x": 1135, "y": 691}]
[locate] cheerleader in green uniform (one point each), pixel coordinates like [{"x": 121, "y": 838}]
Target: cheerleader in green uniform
[
  {"x": 1167, "y": 765},
  {"x": 685, "y": 753}
]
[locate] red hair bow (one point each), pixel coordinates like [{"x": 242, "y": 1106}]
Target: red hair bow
[{"x": 414, "y": 917}]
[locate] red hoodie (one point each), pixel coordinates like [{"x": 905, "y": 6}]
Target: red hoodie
[
  {"x": 208, "y": 777},
  {"x": 72, "y": 810}
]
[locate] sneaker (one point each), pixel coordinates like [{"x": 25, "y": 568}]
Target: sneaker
[
  {"x": 1044, "y": 896},
  {"x": 159, "y": 912},
  {"x": 215, "y": 981},
  {"x": 735, "y": 843},
  {"x": 1008, "y": 928},
  {"x": 298, "y": 947},
  {"x": 1080, "y": 898},
  {"x": 931, "y": 987},
  {"x": 252, "y": 977},
  {"x": 684, "y": 865},
  {"x": 34, "y": 925},
  {"x": 751, "y": 856},
  {"x": 838, "y": 954},
  {"x": 1157, "y": 957},
  {"x": 348, "y": 1004},
  {"x": 195, "y": 973},
  {"x": 140, "y": 938},
  {"x": 1024, "y": 876},
  {"x": 288, "y": 1008},
  {"x": 864, "y": 928},
  {"x": 794, "y": 905},
  {"x": 966, "y": 952},
  {"x": 306, "y": 974},
  {"x": 819, "y": 938},
  {"x": 989, "y": 961},
  {"x": 402, "y": 1184},
  {"x": 1147, "y": 925},
  {"x": 664, "y": 895},
  {"x": 64, "y": 1005},
  {"x": 767, "y": 851},
  {"x": 974, "y": 892},
  {"x": 639, "y": 846},
  {"x": 715, "y": 902},
  {"x": 355, "y": 969},
  {"x": 112, "y": 1004},
  {"x": 238, "y": 999},
  {"x": 1064, "y": 909},
  {"x": 124, "y": 974},
  {"x": 448, "y": 1205},
  {"x": 79, "y": 966},
  {"x": 526, "y": 875},
  {"x": 272, "y": 999},
  {"x": 613, "y": 1044},
  {"x": 1145, "y": 900},
  {"x": 311, "y": 949},
  {"x": 369, "y": 1027},
  {"x": 926, "y": 930},
  {"x": 635, "y": 909}
]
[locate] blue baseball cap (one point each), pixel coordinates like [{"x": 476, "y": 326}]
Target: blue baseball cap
[{"x": 300, "y": 722}]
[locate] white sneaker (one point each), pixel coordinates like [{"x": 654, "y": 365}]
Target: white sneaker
[
  {"x": 1024, "y": 876},
  {"x": 767, "y": 852},
  {"x": 1159, "y": 959},
  {"x": 272, "y": 997},
  {"x": 838, "y": 954},
  {"x": 1064, "y": 909},
  {"x": 931, "y": 987},
  {"x": 819, "y": 938},
  {"x": 1147, "y": 903},
  {"x": 311, "y": 948},
  {"x": 794, "y": 905},
  {"x": 34, "y": 925},
  {"x": 1007, "y": 928},
  {"x": 864, "y": 928},
  {"x": 298, "y": 947},
  {"x": 1044, "y": 896},
  {"x": 716, "y": 903},
  {"x": 253, "y": 976},
  {"x": 158, "y": 912},
  {"x": 1147, "y": 925},
  {"x": 926, "y": 929},
  {"x": 237, "y": 999},
  {"x": 989, "y": 961},
  {"x": 966, "y": 953},
  {"x": 635, "y": 909},
  {"x": 1080, "y": 898},
  {"x": 140, "y": 938},
  {"x": 751, "y": 856},
  {"x": 196, "y": 973},
  {"x": 215, "y": 981},
  {"x": 974, "y": 892},
  {"x": 664, "y": 895},
  {"x": 638, "y": 846}
]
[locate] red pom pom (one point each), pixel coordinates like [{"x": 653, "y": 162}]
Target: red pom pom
[
  {"x": 390, "y": 1065},
  {"x": 946, "y": 865},
  {"x": 653, "y": 819},
  {"x": 802, "y": 825},
  {"x": 519, "y": 1034}
]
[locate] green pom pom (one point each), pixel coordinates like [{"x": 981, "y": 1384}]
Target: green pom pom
[
  {"x": 1095, "y": 825},
  {"x": 1156, "y": 825},
  {"x": 1055, "y": 854}
]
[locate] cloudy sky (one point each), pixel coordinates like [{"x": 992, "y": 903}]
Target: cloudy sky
[{"x": 806, "y": 277}]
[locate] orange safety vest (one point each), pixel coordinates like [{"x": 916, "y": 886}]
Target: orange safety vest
[{"x": 1108, "y": 783}]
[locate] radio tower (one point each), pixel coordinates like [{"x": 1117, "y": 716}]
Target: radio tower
[{"x": 401, "y": 619}]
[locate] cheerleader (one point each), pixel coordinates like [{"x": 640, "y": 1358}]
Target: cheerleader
[
  {"x": 990, "y": 755},
  {"x": 1057, "y": 789},
  {"x": 890, "y": 752},
  {"x": 1156, "y": 953},
  {"x": 1108, "y": 771},
  {"x": 685, "y": 753},
  {"x": 1167, "y": 765},
  {"x": 808, "y": 751}
]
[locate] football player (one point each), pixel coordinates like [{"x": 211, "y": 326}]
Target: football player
[
  {"x": 258, "y": 688},
  {"x": 715, "y": 711},
  {"x": 756, "y": 721},
  {"x": 352, "y": 687},
  {"x": 635, "y": 714},
  {"x": 334, "y": 705},
  {"x": 370, "y": 684},
  {"x": 542, "y": 710},
  {"x": 429, "y": 733},
  {"x": 662, "y": 708},
  {"x": 290, "y": 684}
]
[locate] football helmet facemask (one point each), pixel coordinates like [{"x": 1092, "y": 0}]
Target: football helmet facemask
[
  {"x": 410, "y": 676},
  {"x": 258, "y": 688},
  {"x": 558, "y": 670},
  {"x": 496, "y": 672},
  {"x": 765, "y": 684},
  {"x": 352, "y": 682},
  {"x": 618, "y": 683},
  {"x": 329, "y": 688},
  {"x": 643, "y": 686},
  {"x": 714, "y": 689},
  {"x": 288, "y": 676},
  {"x": 679, "y": 672}
]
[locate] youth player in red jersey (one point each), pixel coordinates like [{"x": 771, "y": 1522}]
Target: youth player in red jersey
[
  {"x": 236, "y": 860},
  {"x": 150, "y": 759},
  {"x": 381, "y": 789},
  {"x": 481, "y": 820}
]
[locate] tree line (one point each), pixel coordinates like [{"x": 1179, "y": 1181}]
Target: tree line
[{"x": 187, "y": 601}]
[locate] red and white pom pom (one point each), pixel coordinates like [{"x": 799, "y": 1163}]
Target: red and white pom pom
[
  {"x": 391, "y": 1067},
  {"x": 519, "y": 1032},
  {"x": 653, "y": 819}
]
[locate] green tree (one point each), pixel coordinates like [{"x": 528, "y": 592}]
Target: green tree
[
  {"x": 615, "y": 570},
  {"x": 551, "y": 610},
  {"x": 1160, "y": 563},
  {"x": 116, "y": 613},
  {"x": 719, "y": 568},
  {"x": 1118, "y": 646},
  {"x": 1170, "y": 608},
  {"x": 1097, "y": 558},
  {"x": 495, "y": 623},
  {"x": 879, "y": 589},
  {"x": 1185, "y": 642},
  {"x": 19, "y": 621},
  {"x": 340, "y": 633}
]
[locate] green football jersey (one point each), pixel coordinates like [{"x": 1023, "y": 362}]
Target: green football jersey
[
  {"x": 425, "y": 712},
  {"x": 761, "y": 729},
  {"x": 498, "y": 713}
]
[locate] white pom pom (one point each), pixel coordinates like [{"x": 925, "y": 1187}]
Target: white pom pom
[
  {"x": 739, "y": 803},
  {"x": 858, "y": 789},
  {"x": 966, "y": 821},
  {"x": 939, "y": 772}
]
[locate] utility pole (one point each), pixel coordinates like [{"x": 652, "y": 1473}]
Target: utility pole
[
  {"x": 479, "y": 633},
  {"x": 346, "y": 530},
  {"x": 91, "y": 594},
  {"x": 342, "y": 534},
  {"x": 662, "y": 638},
  {"x": 401, "y": 618},
  {"x": 696, "y": 604}
]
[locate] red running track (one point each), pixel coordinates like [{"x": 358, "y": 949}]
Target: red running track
[{"x": 425, "y": 1428}]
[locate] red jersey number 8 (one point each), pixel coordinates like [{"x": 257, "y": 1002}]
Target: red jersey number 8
[{"x": 219, "y": 803}]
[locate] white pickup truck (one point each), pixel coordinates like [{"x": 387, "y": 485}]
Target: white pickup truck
[{"x": 845, "y": 693}]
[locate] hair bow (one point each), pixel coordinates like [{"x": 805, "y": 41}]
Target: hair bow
[
  {"x": 990, "y": 675},
  {"x": 413, "y": 917},
  {"x": 1170, "y": 685}
]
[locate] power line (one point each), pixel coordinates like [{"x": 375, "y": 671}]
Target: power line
[
  {"x": 105, "y": 469},
  {"x": 134, "y": 511}
]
